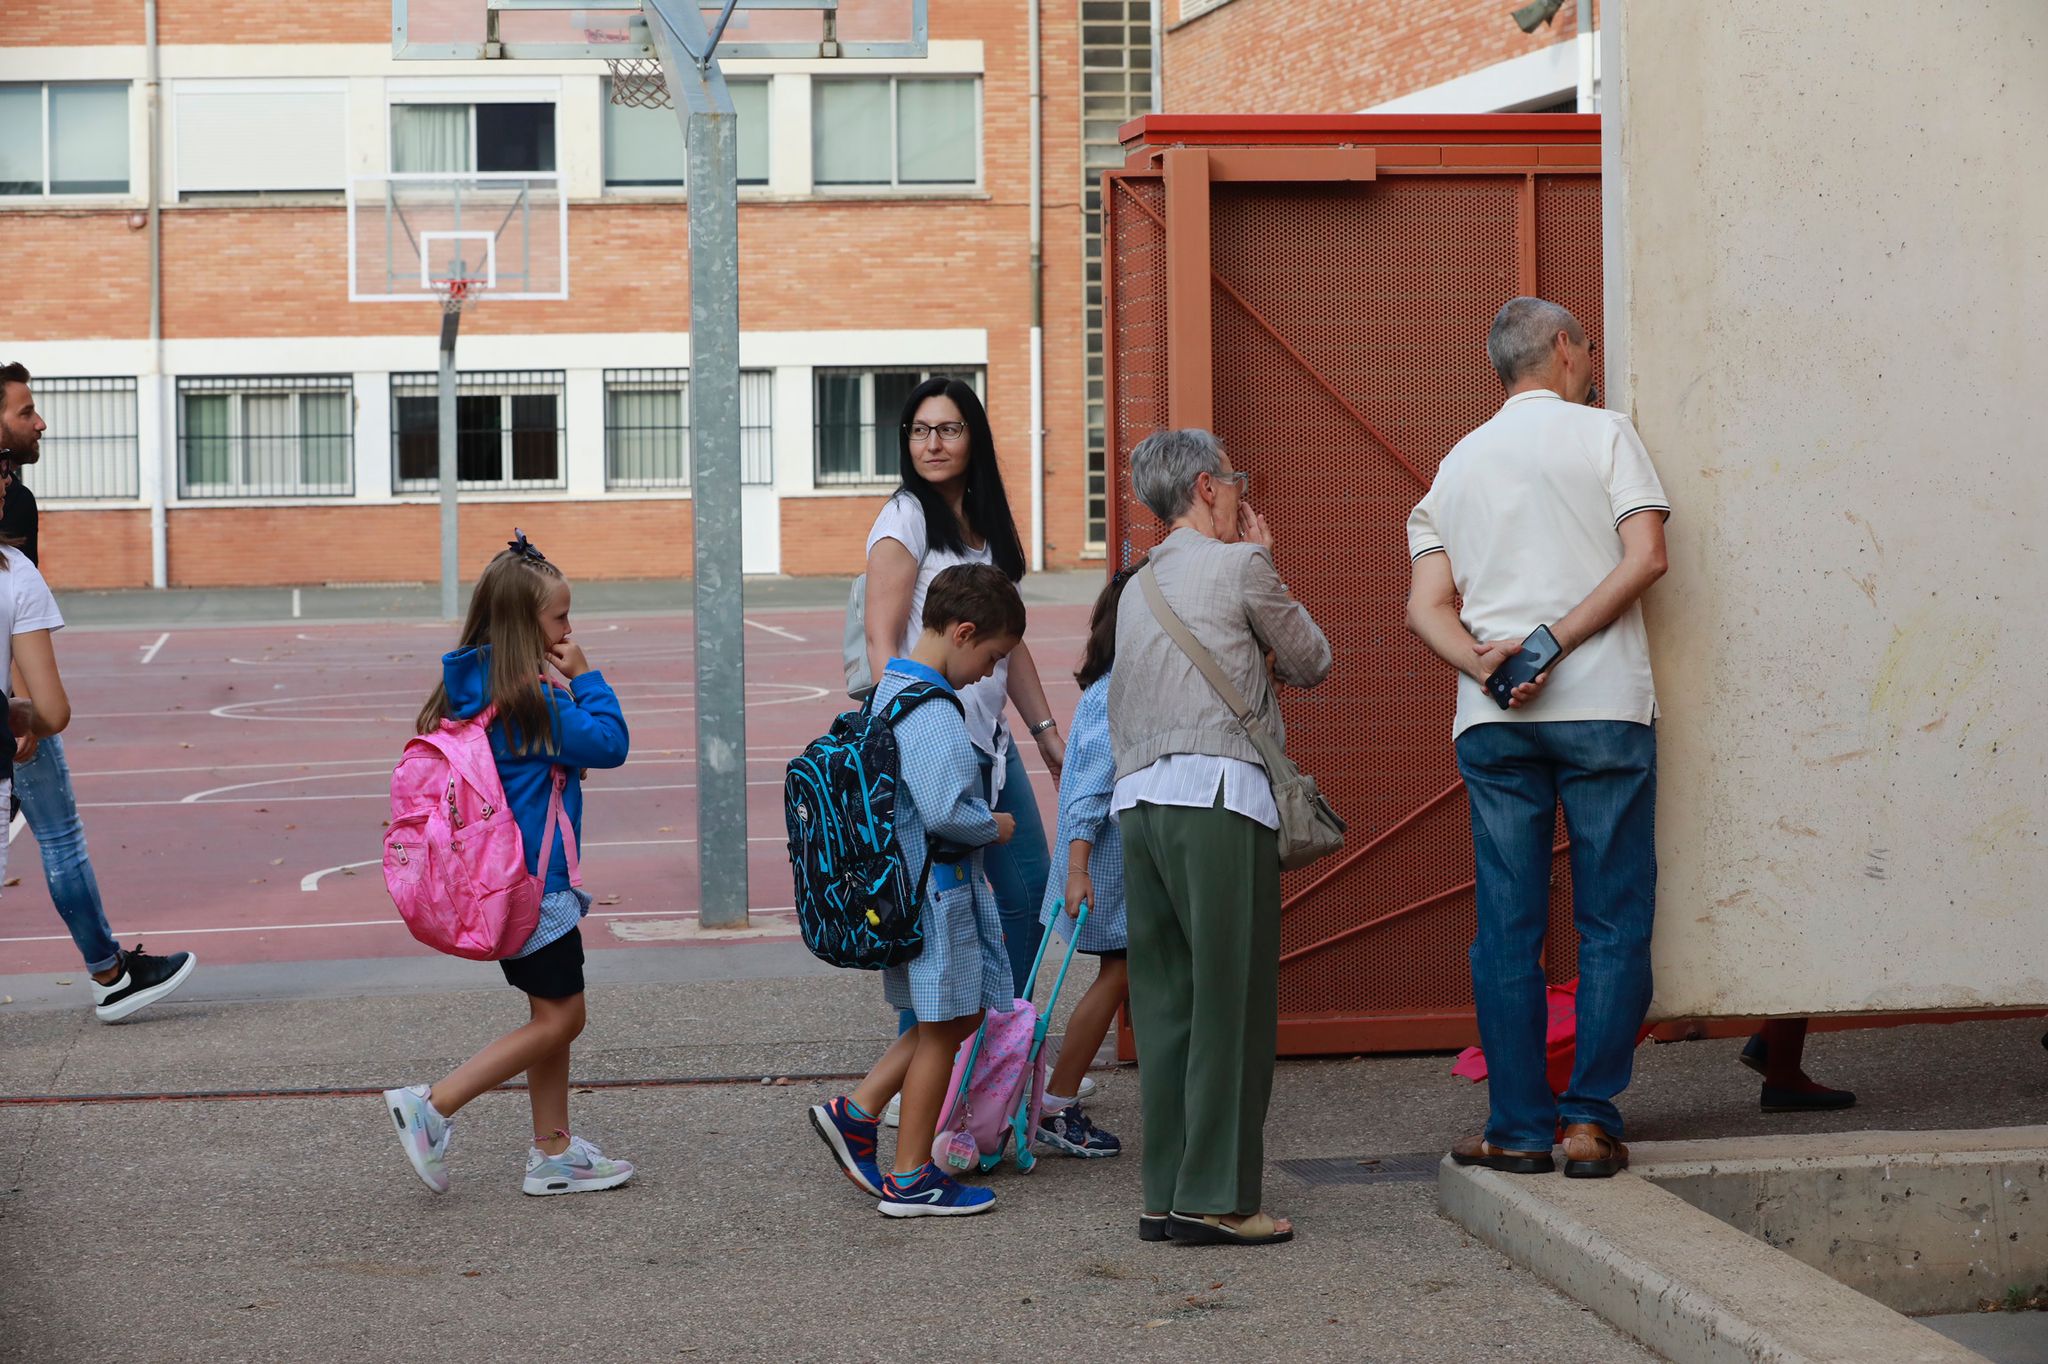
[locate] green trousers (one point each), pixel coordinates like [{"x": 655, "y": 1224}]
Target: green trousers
[{"x": 1202, "y": 890}]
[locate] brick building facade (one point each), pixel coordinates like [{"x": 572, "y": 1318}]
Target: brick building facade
[
  {"x": 274, "y": 422},
  {"x": 1426, "y": 56}
]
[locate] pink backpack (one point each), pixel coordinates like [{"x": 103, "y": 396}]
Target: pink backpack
[
  {"x": 453, "y": 859},
  {"x": 999, "y": 1078}
]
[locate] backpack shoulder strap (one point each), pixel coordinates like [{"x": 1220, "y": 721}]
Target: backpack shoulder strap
[
  {"x": 915, "y": 695},
  {"x": 558, "y": 818}
]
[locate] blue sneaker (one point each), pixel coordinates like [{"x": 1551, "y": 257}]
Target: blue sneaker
[
  {"x": 851, "y": 1141},
  {"x": 1072, "y": 1132},
  {"x": 930, "y": 1192}
]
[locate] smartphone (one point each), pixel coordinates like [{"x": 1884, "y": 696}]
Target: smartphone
[{"x": 1539, "y": 651}]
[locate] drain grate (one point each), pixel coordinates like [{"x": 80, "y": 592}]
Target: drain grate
[{"x": 1412, "y": 1166}]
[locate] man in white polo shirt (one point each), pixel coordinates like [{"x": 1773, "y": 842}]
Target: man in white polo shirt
[{"x": 1537, "y": 518}]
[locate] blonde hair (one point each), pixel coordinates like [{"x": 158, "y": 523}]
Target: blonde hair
[{"x": 504, "y": 613}]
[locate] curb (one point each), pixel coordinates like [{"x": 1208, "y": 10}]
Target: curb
[{"x": 1679, "y": 1280}]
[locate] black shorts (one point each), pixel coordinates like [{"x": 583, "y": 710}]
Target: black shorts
[
  {"x": 554, "y": 972},
  {"x": 1109, "y": 953}
]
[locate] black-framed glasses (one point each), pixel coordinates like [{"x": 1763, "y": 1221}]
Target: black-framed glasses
[{"x": 947, "y": 430}]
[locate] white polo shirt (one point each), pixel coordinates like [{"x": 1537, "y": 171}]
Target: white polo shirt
[{"x": 1527, "y": 507}]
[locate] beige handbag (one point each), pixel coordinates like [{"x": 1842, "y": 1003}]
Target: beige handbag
[{"x": 1309, "y": 829}]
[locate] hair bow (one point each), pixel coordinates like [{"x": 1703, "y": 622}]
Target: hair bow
[{"x": 524, "y": 548}]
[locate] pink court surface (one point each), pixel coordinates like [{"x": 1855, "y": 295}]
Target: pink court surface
[{"x": 234, "y": 781}]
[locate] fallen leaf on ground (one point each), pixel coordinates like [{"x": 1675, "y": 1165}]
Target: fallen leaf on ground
[
  {"x": 6, "y": 999},
  {"x": 291, "y": 826},
  {"x": 277, "y": 861},
  {"x": 11, "y": 881},
  {"x": 665, "y": 829},
  {"x": 63, "y": 980},
  {"x": 1156, "y": 1321},
  {"x": 472, "y": 1273},
  {"x": 184, "y": 745},
  {"x": 609, "y": 900}
]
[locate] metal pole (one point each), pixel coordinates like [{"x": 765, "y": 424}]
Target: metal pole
[
  {"x": 451, "y": 321},
  {"x": 711, "y": 133},
  {"x": 1584, "y": 41}
]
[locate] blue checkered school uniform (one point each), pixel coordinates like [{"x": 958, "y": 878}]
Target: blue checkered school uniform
[
  {"x": 1086, "y": 780},
  {"x": 964, "y": 967}
]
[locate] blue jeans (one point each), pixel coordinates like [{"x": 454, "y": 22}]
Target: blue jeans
[
  {"x": 43, "y": 786},
  {"x": 1605, "y": 772},
  {"x": 1016, "y": 871}
]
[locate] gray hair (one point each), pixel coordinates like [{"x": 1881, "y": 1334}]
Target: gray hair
[
  {"x": 1165, "y": 466},
  {"x": 1520, "y": 338}
]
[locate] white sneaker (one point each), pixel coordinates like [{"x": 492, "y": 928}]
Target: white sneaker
[
  {"x": 580, "y": 1169},
  {"x": 1087, "y": 1088},
  {"x": 892, "y": 1116},
  {"x": 423, "y": 1133}
]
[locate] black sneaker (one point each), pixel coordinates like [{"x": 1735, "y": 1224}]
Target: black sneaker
[{"x": 143, "y": 981}]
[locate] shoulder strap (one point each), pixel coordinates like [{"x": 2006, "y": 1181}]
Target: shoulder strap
[
  {"x": 915, "y": 695},
  {"x": 1192, "y": 647},
  {"x": 557, "y": 817}
]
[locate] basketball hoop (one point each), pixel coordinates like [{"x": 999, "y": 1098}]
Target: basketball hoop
[
  {"x": 637, "y": 83},
  {"x": 457, "y": 292}
]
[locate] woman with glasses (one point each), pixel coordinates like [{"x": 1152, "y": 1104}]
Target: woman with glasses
[{"x": 951, "y": 510}]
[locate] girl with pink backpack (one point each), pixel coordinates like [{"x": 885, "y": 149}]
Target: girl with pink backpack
[{"x": 540, "y": 735}]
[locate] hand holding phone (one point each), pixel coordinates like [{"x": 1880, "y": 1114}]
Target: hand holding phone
[{"x": 1535, "y": 657}]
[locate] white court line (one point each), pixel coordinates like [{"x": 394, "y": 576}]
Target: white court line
[
  {"x": 588, "y": 791},
  {"x": 774, "y": 630},
  {"x": 149, "y": 651},
  {"x": 776, "y": 752},
  {"x": 244, "y": 710},
  {"x": 311, "y": 880},
  {"x": 368, "y": 923}
]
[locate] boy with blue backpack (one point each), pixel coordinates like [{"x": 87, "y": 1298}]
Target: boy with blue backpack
[{"x": 973, "y": 617}]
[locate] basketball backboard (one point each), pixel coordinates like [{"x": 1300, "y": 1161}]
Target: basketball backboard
[
  {"x": 550, "y": 30},
  {"x": 410, "y": 236}
]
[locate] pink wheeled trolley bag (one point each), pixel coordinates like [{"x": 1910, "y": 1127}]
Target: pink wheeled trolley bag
[{"x": 999, "y": 1077}]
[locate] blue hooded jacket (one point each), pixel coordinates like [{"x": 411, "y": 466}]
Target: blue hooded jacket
[{"x": 589, "y": 731}]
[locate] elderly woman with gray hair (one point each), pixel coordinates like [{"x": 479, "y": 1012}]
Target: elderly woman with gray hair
[{"x": 1201, "y": 859}]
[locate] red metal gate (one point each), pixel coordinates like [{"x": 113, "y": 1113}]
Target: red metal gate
[{"x": 1317, "y": 290}]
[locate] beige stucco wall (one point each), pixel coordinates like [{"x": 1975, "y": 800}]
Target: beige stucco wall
[{"x": 1827, "y": 284}]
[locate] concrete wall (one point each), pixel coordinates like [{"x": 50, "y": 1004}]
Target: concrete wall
[{"x": 1827, "y": 283}]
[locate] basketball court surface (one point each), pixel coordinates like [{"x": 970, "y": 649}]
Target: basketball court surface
[{"x": 234, "y": 782}]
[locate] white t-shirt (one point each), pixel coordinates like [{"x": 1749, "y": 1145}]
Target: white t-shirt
[
  {"x": 25, "y": 603},
  {"x": 902, "y": 520},
  {"x": 1527, "y": 507}
]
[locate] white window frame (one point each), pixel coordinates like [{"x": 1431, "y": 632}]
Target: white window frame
[
  {"x": 871, "y": 425},
  {"x": 896, "y": 184},
  {"x": 241, "y": 486},
  {"x": 505, "y": 393},
  {"x": 87, "y": 196},
  {"x": 548, "y": 92},
  {"x": 677, "y": 188}
]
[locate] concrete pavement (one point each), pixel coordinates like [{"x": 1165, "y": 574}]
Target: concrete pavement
[{"x": 291, "y": 1229}]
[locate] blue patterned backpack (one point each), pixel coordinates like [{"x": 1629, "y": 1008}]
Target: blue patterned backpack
[{"x": 854, "y": 897}]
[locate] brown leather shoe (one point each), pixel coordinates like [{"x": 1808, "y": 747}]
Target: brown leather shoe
[
  {"x": 1589, "y": 1153},
  {"x": 1479, "y": 1151}
]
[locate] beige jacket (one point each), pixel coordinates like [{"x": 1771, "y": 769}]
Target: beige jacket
[{"x": 1231, "y": 599}]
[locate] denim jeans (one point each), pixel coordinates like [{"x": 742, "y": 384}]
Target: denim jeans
[
  {"x": 43, "y": 786},
  {"x": 1605, "y": 772},
  {"x": 1016, "y": 871}
]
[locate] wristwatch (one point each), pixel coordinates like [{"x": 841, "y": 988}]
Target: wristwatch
[{"x": 1043, "y": 725}]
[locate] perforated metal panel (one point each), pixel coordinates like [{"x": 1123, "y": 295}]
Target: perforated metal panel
[{"x": 1348, "y": 357}]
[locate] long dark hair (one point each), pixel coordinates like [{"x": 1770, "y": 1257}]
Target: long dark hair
[
  {"x": 986, "y": 505},
  {"x": 1098, "y": 655}
]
